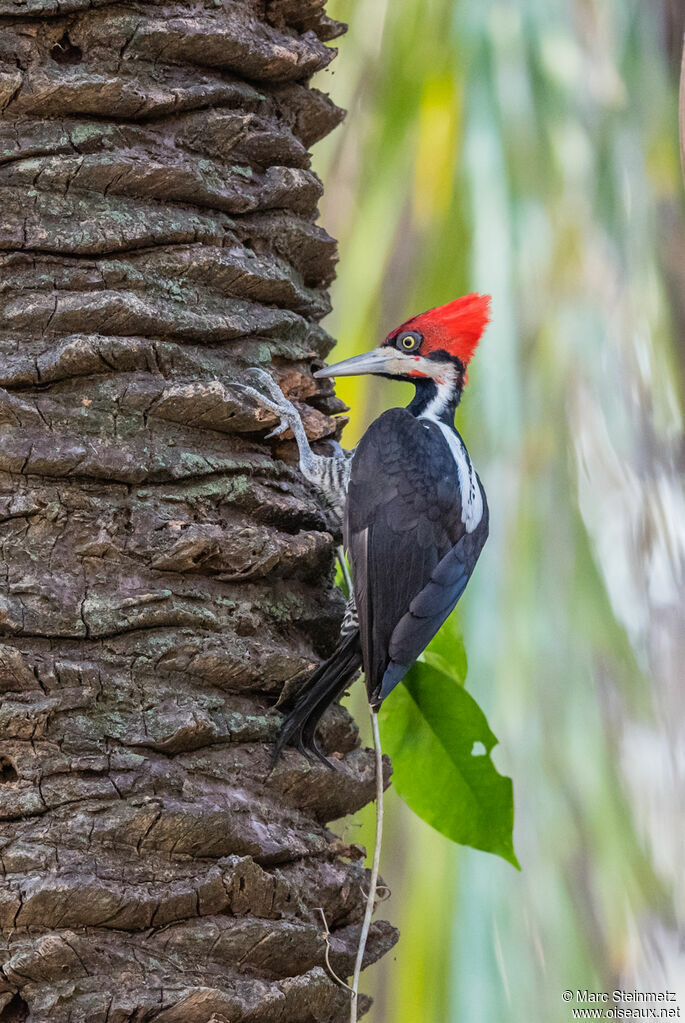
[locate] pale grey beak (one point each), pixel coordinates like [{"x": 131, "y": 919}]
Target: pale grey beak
[{"x": 379, "y": 360}]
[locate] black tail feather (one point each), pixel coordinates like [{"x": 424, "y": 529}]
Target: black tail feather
[{"x": 326, "y": 683}]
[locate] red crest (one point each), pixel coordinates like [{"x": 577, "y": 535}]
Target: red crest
[{"x": 456, "y": 327}]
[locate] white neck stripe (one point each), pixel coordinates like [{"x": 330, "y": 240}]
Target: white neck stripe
[{"x": 444, "y": 385}]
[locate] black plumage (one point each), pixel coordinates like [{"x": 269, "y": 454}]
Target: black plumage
[
  {"x": 327, "y": 682},
  {"x": 411, "y": 558},
  {"x": 410, "y": 553}
]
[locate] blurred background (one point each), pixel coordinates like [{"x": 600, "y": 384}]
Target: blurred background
[{"x": 529, "y": 149}]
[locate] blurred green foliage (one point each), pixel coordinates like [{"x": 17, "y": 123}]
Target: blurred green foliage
[
  {"x": 528, "y": 149},
  {"x": 440, "y": 744}
]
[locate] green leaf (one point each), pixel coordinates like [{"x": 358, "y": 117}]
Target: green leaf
[
  {"x": 446, "y": 651},
  {"x": 440, "y": 744},
  {"x": 450, "y": 660}
]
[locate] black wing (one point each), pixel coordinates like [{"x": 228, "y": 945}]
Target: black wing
[{"x": 411, "y": 555}]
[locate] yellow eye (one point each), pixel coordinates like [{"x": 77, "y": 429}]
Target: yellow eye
[{"x": 408, "y": 342}]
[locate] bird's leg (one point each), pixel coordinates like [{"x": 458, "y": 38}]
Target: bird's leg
[
  {"x": 329, "y": 474},
  {"x": 272, "y": 397}
]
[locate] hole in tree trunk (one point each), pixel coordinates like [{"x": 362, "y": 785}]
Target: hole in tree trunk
[
  {"x": 7, "y": 773},
  {"x": 64, "y": 52},
  {"x": 16, "y": 1011}
]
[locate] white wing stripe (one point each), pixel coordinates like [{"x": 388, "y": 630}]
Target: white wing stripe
[{"x": 471, "y": 497}]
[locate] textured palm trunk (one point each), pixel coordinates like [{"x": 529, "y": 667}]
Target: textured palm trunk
[{"x": 163, "y": 571}]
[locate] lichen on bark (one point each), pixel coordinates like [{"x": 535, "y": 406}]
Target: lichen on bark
[{"x": 164, "y": 571}]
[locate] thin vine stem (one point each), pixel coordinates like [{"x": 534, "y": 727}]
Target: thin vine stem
[
  {"x": 342, "y": 561},
  {"x": 327, "y": 939},
  {"x": 371, "y": 897}
]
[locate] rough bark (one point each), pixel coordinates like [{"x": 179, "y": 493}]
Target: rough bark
[{"x": 163, "y": 569}]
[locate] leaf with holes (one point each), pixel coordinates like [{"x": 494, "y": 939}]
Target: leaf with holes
[{"x": 440, "y": 744}]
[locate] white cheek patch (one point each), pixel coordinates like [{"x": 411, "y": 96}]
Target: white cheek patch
[
  {"x": 400, "y": 365},
  {"x": 444, "y": 377},
  {"x": 429, "y": 368}
]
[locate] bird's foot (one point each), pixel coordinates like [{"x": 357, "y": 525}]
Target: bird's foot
[{"x": 273, "y": 399}]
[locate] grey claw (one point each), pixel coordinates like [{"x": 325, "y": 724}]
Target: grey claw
[
  {"x": 259, "y": 398},
  {"x": 274, "y": 400},
  {"x": 268, "y": 383},
  {"x": 252, "y": 392},
  {"x": 277, "y": 431},
  {"x": 261, "y": 374}
]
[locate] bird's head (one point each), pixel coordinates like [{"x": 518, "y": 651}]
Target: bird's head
[{"x": 435, "y": 346}]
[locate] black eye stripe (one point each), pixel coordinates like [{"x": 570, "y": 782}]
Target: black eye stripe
[{"x": 440, "y": 355}]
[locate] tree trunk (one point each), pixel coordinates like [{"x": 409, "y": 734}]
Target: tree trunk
[{"x": 163, "y": 571}]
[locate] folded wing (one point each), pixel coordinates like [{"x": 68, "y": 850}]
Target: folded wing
[{"x": 411, "y": 556}]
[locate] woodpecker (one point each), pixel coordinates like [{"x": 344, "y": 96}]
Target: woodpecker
[{"x": 413, "y": 511}]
